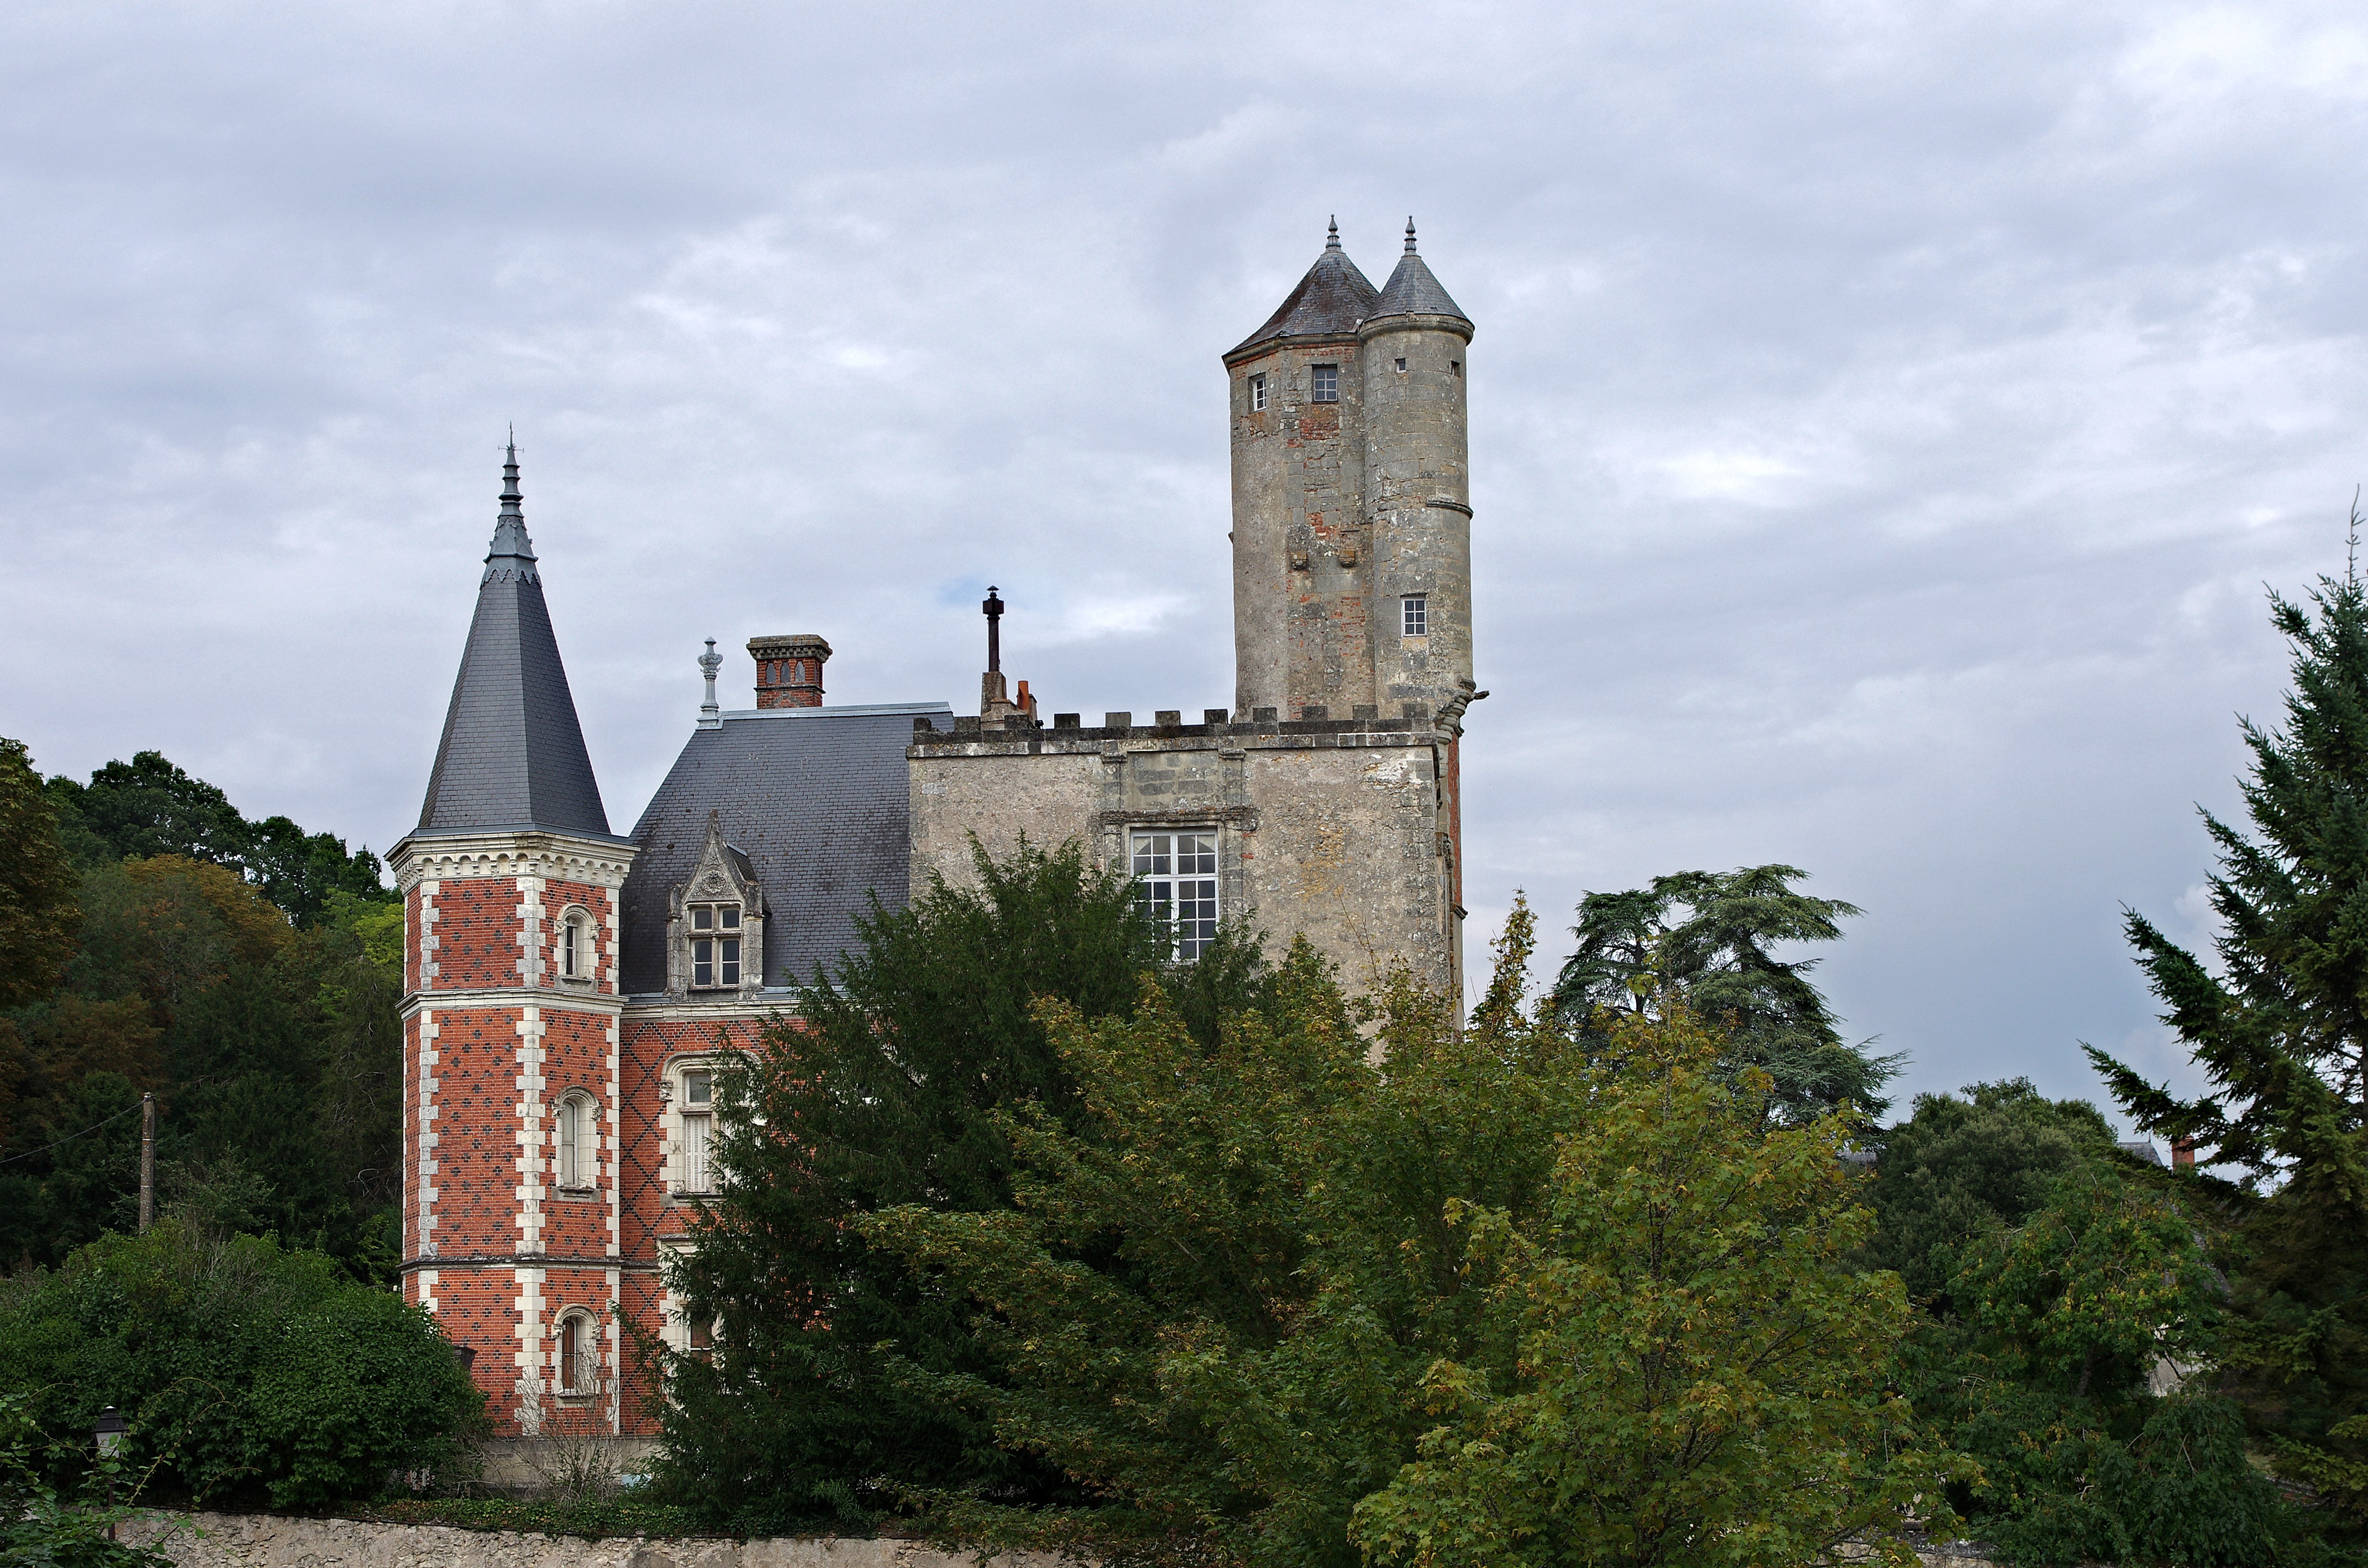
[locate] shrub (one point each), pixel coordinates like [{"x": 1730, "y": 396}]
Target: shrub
[{"x": 248, "y": 1372}]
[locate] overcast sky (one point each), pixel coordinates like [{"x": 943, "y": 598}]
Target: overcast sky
[{"x": 1884, "y": 417}]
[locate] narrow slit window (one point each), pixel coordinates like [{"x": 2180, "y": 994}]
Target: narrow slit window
[
  {"x": 571, "y": 1142},
  {"x": 1327, "y": 383},
  {"x": 1257, "y": 394},
  {"x": 1456, "y": 366},
  {"x": 571, "y": 948},
  {"x": 1416, "y": 611}
]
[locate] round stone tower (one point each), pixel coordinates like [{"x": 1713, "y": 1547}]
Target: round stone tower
[{"x": 1417, "y": 495}]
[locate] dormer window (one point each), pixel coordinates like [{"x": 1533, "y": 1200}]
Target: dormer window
[
  {"x": 1327, "y": 383},
  {"x": 1257, "y": 394},
  {"x": 714, "y": 945}
]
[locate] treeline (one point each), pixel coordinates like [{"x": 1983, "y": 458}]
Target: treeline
[{"x": 247, "y": 973}]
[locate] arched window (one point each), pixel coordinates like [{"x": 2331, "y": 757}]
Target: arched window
[
  {"x": 579, "y": 1142},
  {"x": 575, "y": 946},
  {"x": 579, "y": 1355}
]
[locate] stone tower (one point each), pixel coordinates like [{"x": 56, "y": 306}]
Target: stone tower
[
  {"x": 1352, "y": 515},
  {"x": 510, "y": 1110}
]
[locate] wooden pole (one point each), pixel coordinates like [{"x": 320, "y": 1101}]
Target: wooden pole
[{"x": 147, "y": 1162}]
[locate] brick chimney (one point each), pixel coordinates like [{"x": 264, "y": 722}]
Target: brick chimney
[
  {"x": 2182, "y": 1153},
  {"x": 789, "y": 669}
]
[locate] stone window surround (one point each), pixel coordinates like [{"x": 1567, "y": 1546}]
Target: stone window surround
[
  {"x": 586, "y": 1321},
  {"x": 673, "y": 1102},
  {"x": 588, "y": 962},
  {"x": 587, "y": 1106}
]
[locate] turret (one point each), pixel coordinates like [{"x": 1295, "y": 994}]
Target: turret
[
  {"x": 1300, "y": 633},
  {"x": 1417, "y": 493}
]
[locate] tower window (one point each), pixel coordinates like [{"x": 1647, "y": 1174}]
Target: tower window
[
  {"x": 714, "y": 944},
  {"x": 1176, "y": 886},
  {"x": 578, "y": 1143},
  {"x": 579, "y": 1362},
  {"x": 574, "y": 947},
  {"x": 1416, "y": 611},
  {"x": 1401, "y": 364},
  {"x": 1327, "y": 383},
  {"x": 1456, "y": 366},
  {"x": 1257, "y": 393}
]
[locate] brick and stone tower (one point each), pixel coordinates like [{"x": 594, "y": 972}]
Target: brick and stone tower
[
  {"x": 1352, "y": 515},
  {"x": 511, "y": 1104}
]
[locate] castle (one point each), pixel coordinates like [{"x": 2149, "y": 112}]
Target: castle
[{"x": 571, "y": 991}]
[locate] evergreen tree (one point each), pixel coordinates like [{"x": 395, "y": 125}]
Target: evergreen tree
[
  {"x": 2282, "y": 1035},
  {"x": 809, "y": 1407},
  {"x": 39, "y": 913},
  {"x": 1705, "y": 939}
]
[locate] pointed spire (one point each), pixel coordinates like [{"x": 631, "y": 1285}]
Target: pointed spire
[
  {"x": 1330, "y": 300},
  {"x": 511, "y": 550},
  {"x": 1413, "y": 291},
  {"x": 512, "y": 756}
]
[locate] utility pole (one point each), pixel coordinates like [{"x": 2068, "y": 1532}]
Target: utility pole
[{"x": 147, "y": 1162}]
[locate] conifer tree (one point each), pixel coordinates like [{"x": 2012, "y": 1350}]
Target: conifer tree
[
  {"x": 2282, "y": 1036},
  {"x": 1705, "y": 938}
]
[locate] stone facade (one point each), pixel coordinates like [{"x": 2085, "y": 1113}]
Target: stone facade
[{"x": 1338, "y": 828}]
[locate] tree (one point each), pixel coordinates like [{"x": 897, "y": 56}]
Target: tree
[
  {"x": 39, "y": 913},
  {"x": 887, "y": 1087},
  {"x": 1704, "y": 938},
  {"x": 2281, "y": 1033},
  {"x": 147, "y": 806},
  {"x": 1959, "y": 1169},
  {"x": 1270, "y": 1300}
]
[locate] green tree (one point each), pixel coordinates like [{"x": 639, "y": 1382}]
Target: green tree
[
  {"x": 1960, "y": 1168},
  {"x": 248, "y": 1372},
  {"x": 808, "y": 1408},
  {"x": 39, "y": 912},
  {"x": 130, "y": 811},
  {"x": 1257, "y": 1280},
  {"x": 2281, "y": 1032},
  {"x": 1705, "y": 939}
]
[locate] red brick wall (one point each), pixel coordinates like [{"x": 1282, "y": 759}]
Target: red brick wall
[{"x": 476, "y": 933}]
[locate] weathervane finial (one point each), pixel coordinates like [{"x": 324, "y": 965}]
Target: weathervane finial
[
  {"x": 1409, "y": 233},
  {"x": 1332, "y": 233}
]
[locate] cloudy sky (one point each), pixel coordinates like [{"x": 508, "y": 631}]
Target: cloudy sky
[{"x": 1886, "y": 417}]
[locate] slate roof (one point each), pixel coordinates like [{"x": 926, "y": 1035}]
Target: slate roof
[
  {"x": 817, "y": 801},
  {"x": 1330, "y": 301},
  {"x": 512, "y": 756},
  {"x": 1412, "y": 291}
]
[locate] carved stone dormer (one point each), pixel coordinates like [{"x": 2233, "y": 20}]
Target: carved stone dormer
[{"x": 715, "y": 925}]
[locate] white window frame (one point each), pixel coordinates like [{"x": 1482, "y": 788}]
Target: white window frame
[
  {"x": 576, "y": 1160},
  {"x": 695, "y": 1128},
  {"x": 725, "y": 935},
  {"x": 1414, "y": 614},
  {"x": 573, "y": 942},
  {"x": 1155, "y": 859},
  {"x": 1257, "y": 393},
  {"x": 1317, "y": 391}
]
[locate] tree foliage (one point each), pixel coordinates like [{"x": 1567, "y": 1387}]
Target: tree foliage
[
  {"x": 2279, "y": 1029},
  {"x": 1706, "y": 939},
  {"x": 809, "y": 1409},
  {"x": 1252, "y": 1281},
  {"x": 38, "y": 914},
  {"x": 247, "y": 1372}
]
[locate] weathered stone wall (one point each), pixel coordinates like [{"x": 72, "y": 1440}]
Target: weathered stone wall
[
  {"x": 265, "y": 1541},
  {"x": 1419, "y": 506},
  {"x": 1329, "y": 827}
]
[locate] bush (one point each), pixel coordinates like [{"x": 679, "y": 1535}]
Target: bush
[{"x": 248, "y": 1372}]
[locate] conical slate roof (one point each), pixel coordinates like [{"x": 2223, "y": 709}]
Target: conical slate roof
[
  {"x": 1330, "y": 301},
  {"x": 1413, "y": 291},
  {"x": 513, "y": 754}
]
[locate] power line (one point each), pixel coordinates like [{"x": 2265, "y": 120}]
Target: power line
[{"x": 69, "y": 1137}]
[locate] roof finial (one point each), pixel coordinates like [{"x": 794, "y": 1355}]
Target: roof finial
[
  {"x": 710, "y": 717},
  {"x": 510, "y": 496},
  {"x": 1409, "y": 233},
  {"x": 1332, "y": 233}
]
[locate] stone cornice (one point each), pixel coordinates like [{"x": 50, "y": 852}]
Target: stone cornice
[
  {"x": 602, "y": 862},
  {"x": 549, "y": 997},
  {"x": 1373, "y": 327},
  {"x": 731, "y": 1010}
]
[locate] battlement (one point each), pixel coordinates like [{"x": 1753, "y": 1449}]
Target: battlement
[{"x": 1068, "y": 732}]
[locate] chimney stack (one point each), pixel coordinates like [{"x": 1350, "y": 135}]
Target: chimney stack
[{"x": 789, "y": 669}]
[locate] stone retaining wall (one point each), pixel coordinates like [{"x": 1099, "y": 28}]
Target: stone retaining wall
[{"x": 266, "y": 1541}]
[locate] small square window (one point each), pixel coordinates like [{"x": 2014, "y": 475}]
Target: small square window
[
  {"x": 728, "y": 917},
  {"x": 1415, "y": 608},
  {"x": 703, "y": 917},
  {"x": 1456, "y": 366},
  {"x": 1401, "y": 366},
  {"x": 1257, "y": 393},
  {"x": 697, "y": 1089},
  {"x": 1327, "y": 383}
]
